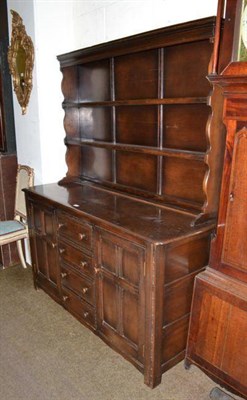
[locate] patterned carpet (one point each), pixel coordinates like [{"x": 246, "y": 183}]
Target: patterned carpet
[{"x": 46, "y": 354}]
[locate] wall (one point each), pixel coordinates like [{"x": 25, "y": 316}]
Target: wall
[{"x": 59, "y": 26}]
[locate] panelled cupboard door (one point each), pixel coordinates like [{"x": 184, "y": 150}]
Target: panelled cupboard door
[
  {"x": 42, "y": 225},
  {"x": 120, "y": 295},
  {"x": 234, "y": 246}
]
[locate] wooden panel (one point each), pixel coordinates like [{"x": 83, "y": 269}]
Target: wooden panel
[
  {"x": 174, "y": 339},
  {"x": 95, "y": 123},
  {"x": 130, "y": 268},
  {"x": 109, "y": 303},
  {"x": 185, "y": 126},
  {"x": 37, "y": 218},
  {"x": 217, "y": 338},
  {"x": 94, "y": 81},
  {"x": 120, "y": 296},
  {"x": 236, "y": 343},
  {"x": 186, "y": 258},
  {"x": 192, "y": 58},
  {"x": 72, "y": 122},
  {"x": 236, "y": 109},
  {"x": 213, "y": 325},
  {"x": 137, "y": 125},
  {"x": 136, "y": 75},
  {"x": 69, "y": 83},
  {"x": 130, "y": 310},
  {"x": 96, "y": 164},
  {"x": 137, "y": 171},
  {"x": 235, "y": 245},
  {"x": 177, "y": 299},
  {"x": 183, "y": 179},
  {"x": 109, "y": 260},
  {"x": 40, "y": 256}
]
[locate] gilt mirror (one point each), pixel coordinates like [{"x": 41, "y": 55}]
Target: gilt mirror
[{"x": 21, "y": 60}]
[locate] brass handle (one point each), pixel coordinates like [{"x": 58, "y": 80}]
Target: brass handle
[
  {"x": 231, "y": 196},
  {"x": 85, "y": 314},
  {"x": 64, "y": 274},
  {"x": 65, "y": 298},
  {"x": 53, "y": 245},
  {"x": 82, "y": 236},
  {"x": 84, "y": 290},
  {"x": 61, "y": 250},
  {"x": 83, "y": 264}
]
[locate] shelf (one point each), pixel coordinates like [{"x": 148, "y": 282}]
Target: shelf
[
  {"x": 137, "y": 102},
  {"x": 185, "y": 154}
]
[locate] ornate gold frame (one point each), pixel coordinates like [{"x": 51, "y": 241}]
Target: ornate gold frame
[{"x": 21, "y": 61}]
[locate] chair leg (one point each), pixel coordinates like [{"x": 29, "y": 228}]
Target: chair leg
[{"x": 21, "y": 255}]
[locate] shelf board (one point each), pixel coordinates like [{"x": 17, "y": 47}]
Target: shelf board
[
  {"x": 137, "y": 102},
  {"x": 186, "y": 154}
]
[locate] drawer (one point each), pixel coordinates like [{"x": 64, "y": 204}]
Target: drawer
[
  {"x": 80, "y": 286},
  {"x": 79, "y": 308},
  {"x": 75, "y": 257},
  {"x": 75, "y": 230}
]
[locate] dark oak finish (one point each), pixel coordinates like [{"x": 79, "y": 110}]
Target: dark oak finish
[
  {"x": 120, "y": 239},
  {"x": 217, "y": 340}
]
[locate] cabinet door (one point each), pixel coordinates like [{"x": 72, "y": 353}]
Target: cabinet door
[
  {"x": 120, "y": 297},
  {"x": 42, "y": 225},
  {"x": 234, "y": 251}
]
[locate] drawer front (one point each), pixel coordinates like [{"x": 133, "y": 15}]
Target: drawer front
[
  {"x": 80, "y": 261},
  {"x": 75, "y": 230},
  {"x": 80, "y": 286},
  {"x": 79, "y": 308}
]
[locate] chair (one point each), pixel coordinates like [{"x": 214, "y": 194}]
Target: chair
[{"x": 16, "y": 230}]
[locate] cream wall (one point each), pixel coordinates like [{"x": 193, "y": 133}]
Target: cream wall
[{"x": 59, "y": 26}]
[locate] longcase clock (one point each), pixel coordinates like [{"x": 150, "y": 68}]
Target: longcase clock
[{"x": 217, "y": 340}]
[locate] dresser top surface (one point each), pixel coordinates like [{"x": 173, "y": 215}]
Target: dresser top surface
[{"x": 147, "y": 221}]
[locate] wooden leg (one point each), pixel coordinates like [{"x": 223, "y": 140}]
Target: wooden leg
[
  {"x": 21, "y": 255},
  {"x": 218, "y": 394}
]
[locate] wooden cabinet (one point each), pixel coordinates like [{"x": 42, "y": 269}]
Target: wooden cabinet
[
  {"x": 130, "y": 224},
  {"x": 131, "y": 283},
  {"x": 42, "y": 225},
  {"x": 217, "y": 340},
  {"x": 120, "y": 290}
]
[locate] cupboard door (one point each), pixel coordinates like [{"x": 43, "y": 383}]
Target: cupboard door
[
  {"x": 42, "y": 225},
  {"x": 235, "y": 238},
  {"x": 120, "y": 272}
]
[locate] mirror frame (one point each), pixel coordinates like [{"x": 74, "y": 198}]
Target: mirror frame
[{"x": 20, "y": 40}]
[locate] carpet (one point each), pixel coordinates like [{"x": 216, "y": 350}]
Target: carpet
[{"x": 46, "y": 354}]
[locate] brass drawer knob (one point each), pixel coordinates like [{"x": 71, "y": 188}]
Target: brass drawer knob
[
  {"x": 82, "y": 236},
  {"x": 61, "y": 250},
  {"x": 65, "y": 298},
  {"x": 54, "y": 245},
  {"x": 83, "y": 264},
  {"x": 85, "y": 314},
  {"x": 64, "y": 274},
  {"x": 84, "y": 290}
]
